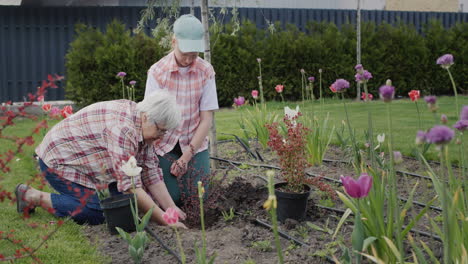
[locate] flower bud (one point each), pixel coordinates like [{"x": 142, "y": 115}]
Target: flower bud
[
  {"x": 443, "y": 119},
  {"x": 388, "y": 82}
]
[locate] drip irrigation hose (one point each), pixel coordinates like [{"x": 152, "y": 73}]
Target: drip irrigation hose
[
  {"x": 163, "y": 245},
  {"x": 287, "y": 236},
  {"x": 246, "y": 148},
  {"x": 315, "y": 175},
  {"x": 416, "y": 231}
]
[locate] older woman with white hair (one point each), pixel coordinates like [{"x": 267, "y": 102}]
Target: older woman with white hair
[{"x": 92, "y": 144}]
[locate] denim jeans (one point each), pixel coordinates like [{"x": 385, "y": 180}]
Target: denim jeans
[{"x": 68, "y": 199}]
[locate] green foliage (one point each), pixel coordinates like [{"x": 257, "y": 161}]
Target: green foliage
[
  {"x": 95, "y": 58},
  {"x": 262, "y": 245},
  {"x": 228, "y": 216},
  {"x": 395, "y": 52}
]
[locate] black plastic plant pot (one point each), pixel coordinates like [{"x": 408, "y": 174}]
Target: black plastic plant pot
[
  {"x": 291, "y": 205},
  {"x": 118, "y": 213}
]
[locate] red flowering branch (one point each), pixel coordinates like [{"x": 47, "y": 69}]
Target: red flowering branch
[
  {"x": 291, "y": 150},
  {"x": 7, "y": 118}
]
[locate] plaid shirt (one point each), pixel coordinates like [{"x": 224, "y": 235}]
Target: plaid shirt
[
  {"x": 97, "y": 138},
  {"x": 188, "y": 90}
]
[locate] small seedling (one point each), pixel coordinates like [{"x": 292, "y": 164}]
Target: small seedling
[
  {"x": 228, "y": 216},
  {"x": 302, "y": 231},
  {"x": 263, "y": 245}
]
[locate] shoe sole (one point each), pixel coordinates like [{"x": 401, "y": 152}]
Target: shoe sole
[{"x": 18, "y": 200}]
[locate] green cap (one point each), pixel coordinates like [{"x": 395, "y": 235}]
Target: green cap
[{"x": 188, "y": 31}]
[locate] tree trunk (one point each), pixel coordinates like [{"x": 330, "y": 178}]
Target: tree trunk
[
  {"x": 358, "y": 44},
  {"x": 213, "y": 141}
]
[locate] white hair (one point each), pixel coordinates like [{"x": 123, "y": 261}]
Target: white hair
[{"x": 161, "y": 108}]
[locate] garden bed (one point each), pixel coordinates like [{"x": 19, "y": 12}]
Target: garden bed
[{"x": 243, "y": 239}]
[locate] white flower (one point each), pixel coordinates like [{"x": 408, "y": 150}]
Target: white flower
[
  {"x": 381, "y": 138},
  {"x": 291, "y": 113},
  {"x": 130, "y": 167}
]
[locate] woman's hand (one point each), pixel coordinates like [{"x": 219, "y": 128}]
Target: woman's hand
[
  {"x": 179, "y": 167},
  {"x": 179, "y": 225}
]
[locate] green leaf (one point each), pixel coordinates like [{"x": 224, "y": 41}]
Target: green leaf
[
  {"x": 394, "y": 249},
  {"x": 146, "y": 218},
  {"x": 357, "y": 237},
  {"x": 342, "y": 220},
  {"x": 123, "y": 234},
  {"x": 367, "y": 242}
]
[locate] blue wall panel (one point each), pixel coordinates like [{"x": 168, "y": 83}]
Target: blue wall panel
[{"x": 34, "y": 40}]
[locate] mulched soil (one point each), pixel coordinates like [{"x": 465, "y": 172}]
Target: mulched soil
[{"x": 243, "y": 239}]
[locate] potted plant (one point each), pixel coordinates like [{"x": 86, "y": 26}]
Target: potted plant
[
  {"x": 288, "y": 140},
  {"x": 116, "y": 207}
]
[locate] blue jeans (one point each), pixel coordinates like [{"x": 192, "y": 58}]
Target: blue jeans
[{"x": 68, "y": 199}]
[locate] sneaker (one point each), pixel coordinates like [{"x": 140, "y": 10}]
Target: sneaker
[{"x": 21, "y": 203}]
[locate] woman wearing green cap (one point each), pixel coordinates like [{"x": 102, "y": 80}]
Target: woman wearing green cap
[{"x": 183, "y": 152}]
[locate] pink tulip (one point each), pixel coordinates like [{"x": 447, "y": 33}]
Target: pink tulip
[
  {"x": 40, "y": 98},
  {"x": 255, "y": 94},
  {"x": 279, "y": 88},
  {"x": 171, "y": 216},
  {"x": 67, "y": 111},
  {"x": 359, "y": 188},
  {"x": 239, "y": 101},
  {"x": 54, "y": 111},
  {"x": 46, "y": 107}
]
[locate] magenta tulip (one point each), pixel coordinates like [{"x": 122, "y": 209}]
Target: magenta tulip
[{"x": 359, "y": 188}]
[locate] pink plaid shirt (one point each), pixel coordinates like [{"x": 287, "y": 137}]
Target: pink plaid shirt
[
  {"x": 99, "y": 136},
  {"x": 188, "y": 90}
]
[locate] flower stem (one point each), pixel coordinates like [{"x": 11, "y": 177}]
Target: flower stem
[
  {"x": 123, "y": 88},
  {"x": 393, "y": 184},
  {"x": 369, "y": 127},
  {"x": 351, "y": 134},
  {"x": 274, "y": 220},
  {"x": 454, "y": 91},
  {"x": 320, "y": 87},
  {"x": 179, "y": 244},
  {"x": 202, "y": 219},
  {"x": 419, "y": 114}
]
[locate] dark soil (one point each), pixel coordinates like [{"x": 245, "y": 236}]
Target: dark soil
[{"x": 242, "y": 239}]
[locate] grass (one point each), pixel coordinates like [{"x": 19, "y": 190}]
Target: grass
[
  {"x": 70, "y": 245},
  {"x": 404, "y": 119}
]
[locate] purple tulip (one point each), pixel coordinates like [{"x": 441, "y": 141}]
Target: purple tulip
[
  {"x": 239, "y": 101},
  {"x": 121, "y": 74},
  {"x": 340, "y": 85},
  {"x": 132, "y": 83},
  {"x": 440, "y": 135},
  {"x": 445, "y": 61},
  {"x": 461, "y": 125},
  {"x": 359, "y": 188},
  {"x": 387, "y": 92},
  {"x": 311, "y": 79}
]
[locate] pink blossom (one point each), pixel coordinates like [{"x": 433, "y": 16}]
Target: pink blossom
[
  {"x": 239, "y": 101},
  {"x": 279, "y": 88},
  {"x": 54, "y": 111},
  {"x": 67, "y": 111},
  {"x": 171, "y": 216},
  {"x": 46, "y": 107},
  {"x": 255, "y": 94}
]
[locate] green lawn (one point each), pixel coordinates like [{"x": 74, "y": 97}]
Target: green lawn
[
  {"x": 404, "y": 119},
  {"x": 69, "y": 245}
]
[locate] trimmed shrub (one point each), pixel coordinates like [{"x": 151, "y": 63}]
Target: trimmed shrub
[{"x": 397, "y": 52}]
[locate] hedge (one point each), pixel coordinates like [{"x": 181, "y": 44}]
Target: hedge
[{"x": 395, "y": 52}]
